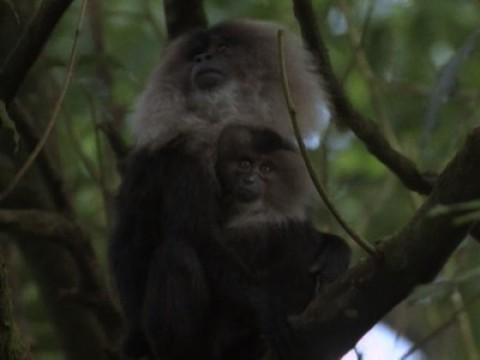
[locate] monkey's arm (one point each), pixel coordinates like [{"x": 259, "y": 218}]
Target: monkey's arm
[
  {"x": 132, "y": 243},
  {"x": 178, "y": 294},
  {"x": 332, "y": 258}
]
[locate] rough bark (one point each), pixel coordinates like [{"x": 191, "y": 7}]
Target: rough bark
[{"x": 11, "y": 347}]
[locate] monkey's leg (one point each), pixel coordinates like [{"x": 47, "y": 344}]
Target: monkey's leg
[
  {"x": 130, "y": 276},
  {"x": 131, "y": 247},
  {"x": 176, "y": 304}
]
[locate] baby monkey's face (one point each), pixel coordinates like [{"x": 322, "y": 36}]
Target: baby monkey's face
[{"x": 248, "y": 177}]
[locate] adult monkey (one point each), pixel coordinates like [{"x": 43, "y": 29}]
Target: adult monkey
[{"x": 167, "y": 259}]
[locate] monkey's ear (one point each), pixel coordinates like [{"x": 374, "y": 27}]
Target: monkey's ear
[{"x": 332, "y": 260}]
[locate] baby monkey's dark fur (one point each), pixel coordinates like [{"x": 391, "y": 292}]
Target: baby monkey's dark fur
[
  {"x": 173, "y": 267},
  {"x": 263, "y": 186}
]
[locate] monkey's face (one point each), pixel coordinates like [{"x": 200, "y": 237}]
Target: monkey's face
[
  {"x": 231, "y": 52},
  {"x": 263, "y": 183},
  {"x": 221, "y": 55},
  {"x": 210, "y": 61},
  {"x": 259, "y": 170},
  {"x": 229, "y": 73},
  {"x": 247, "y": 179},
  {"x": 245, "y": 167}
]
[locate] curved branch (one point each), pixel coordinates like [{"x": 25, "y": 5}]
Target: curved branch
[
  {"x": 334, "y": 321},
  {"x": 23, "y": 120},
  {"x": 365, "y": 129},
  {"x": 10, "y": 345},
  {"x": 303, "y": 151},
  {"x": 44, "y": 225}
]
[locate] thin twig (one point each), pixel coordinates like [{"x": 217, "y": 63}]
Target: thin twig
[
  {"x": 24, "y": 121},
  {"x": 71, "y": 62},
  {"x": 361, "y": 42},
  {"x": 316, "y": 182}
]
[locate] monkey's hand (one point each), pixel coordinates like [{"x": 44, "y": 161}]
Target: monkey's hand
[
  {"x": 332, "y": 259},
  {"x": 274, "y": 326}
]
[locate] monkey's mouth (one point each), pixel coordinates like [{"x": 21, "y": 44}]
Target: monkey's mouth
[
  {"x": 246, "y": 195},
  {"x": 208, "y": 77}
]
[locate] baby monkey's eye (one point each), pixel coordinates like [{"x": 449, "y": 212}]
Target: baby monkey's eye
[
  {"x": 244, "y": 164},
  {"x": 222, "y": 47},
  {"x": 266, "y": 168}
]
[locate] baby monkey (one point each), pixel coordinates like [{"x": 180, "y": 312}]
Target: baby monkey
[{"x": 265, "y": 190}]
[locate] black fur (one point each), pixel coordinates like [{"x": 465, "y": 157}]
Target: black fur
[
  {"x": 170, "y": 268},
  {"x": 292, "y": 261},
  {"x": 191, "y": 289},
  {"x": 289, "y": 258}
]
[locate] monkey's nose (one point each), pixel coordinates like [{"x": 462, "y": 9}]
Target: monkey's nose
[
  {"x": 202, "y": 57},
  {"x": 249, "y": 180}
]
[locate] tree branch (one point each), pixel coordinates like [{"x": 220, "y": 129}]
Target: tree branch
[
  {"x": 110, "y": 123},
  {"x": 10, "y": 345},
  {"x": 19, "y": 61},
  {"x": 334, "y": 321},
  {"x": 183, "y": 15},
  {"x": 38, "y": 224},
  {"x": 53, "y": 180},
  {"x": 365, "y": 129}
]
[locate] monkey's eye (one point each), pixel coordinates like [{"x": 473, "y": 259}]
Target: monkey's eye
[
  {"x": 192, "y": 54},
  {"x": 198, "y": 44},
  {"x": 266, "y": 168},
  {"x": 222, "y": 48},
  {"x": 244, "y": 164}
]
